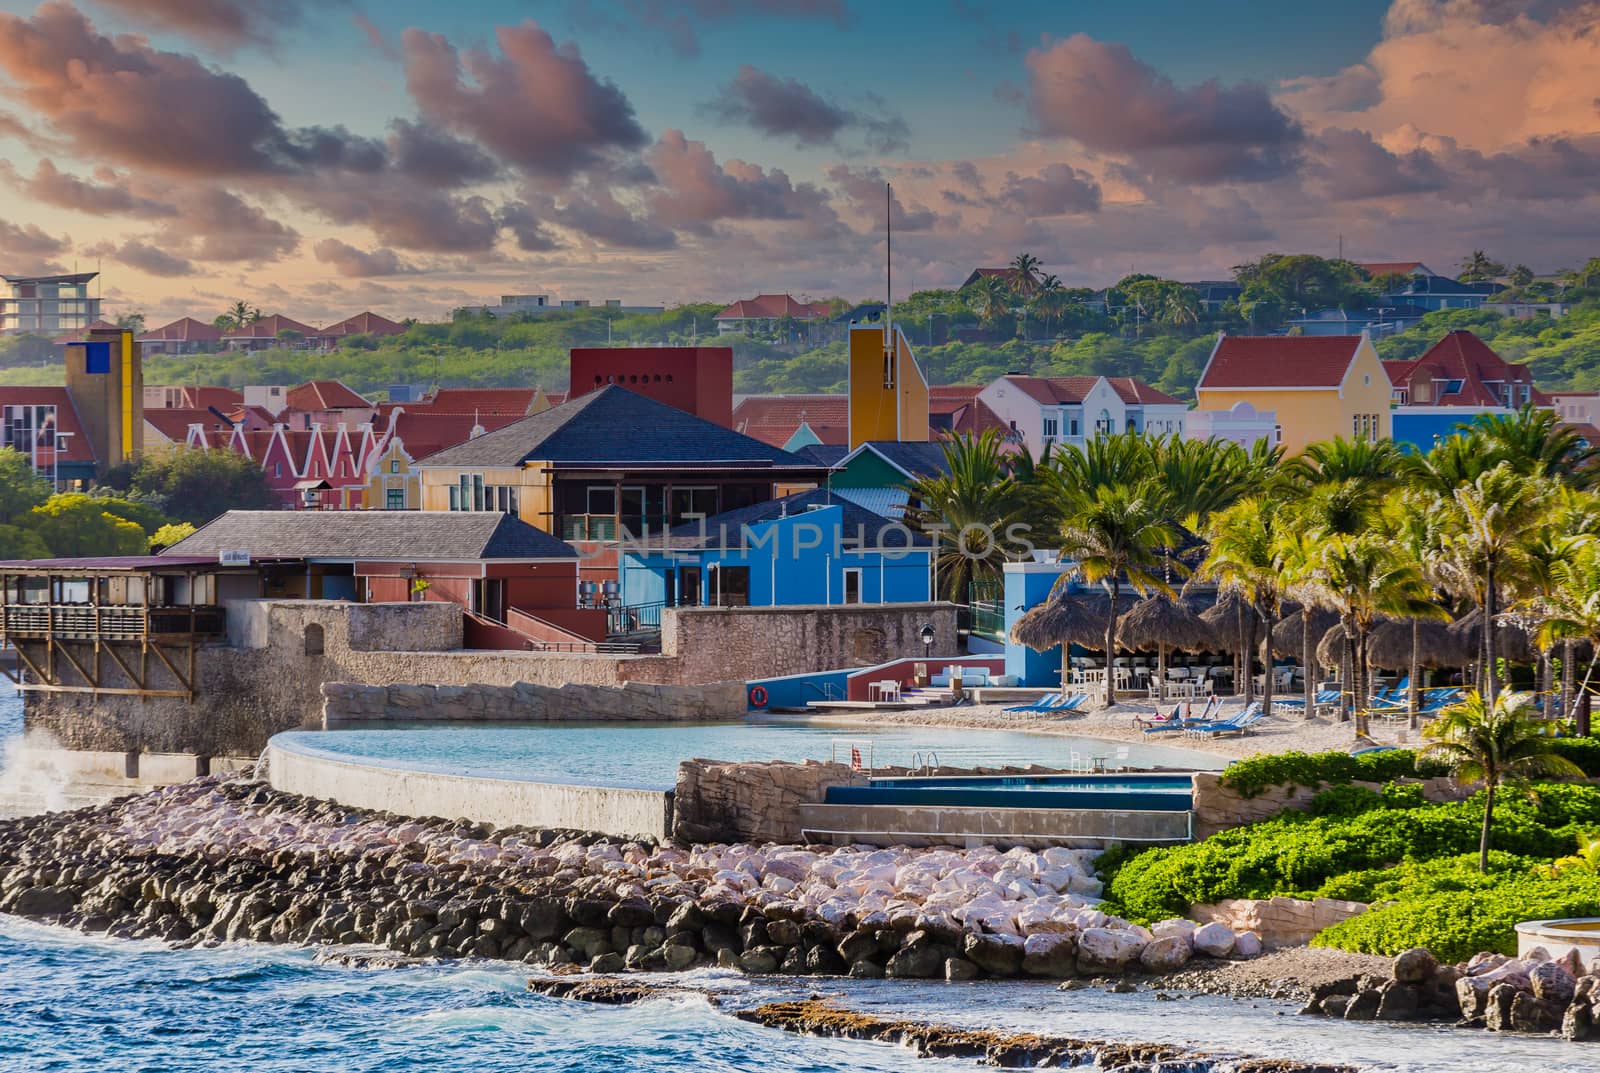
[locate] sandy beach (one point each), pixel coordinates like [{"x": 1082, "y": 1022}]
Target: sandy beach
[{"x": 1283, "y": 731}]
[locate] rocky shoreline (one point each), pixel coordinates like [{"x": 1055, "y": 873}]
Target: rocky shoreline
[{"x": 214, "y": 861}]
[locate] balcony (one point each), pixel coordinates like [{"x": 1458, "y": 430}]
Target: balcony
[{"x": 86, "y": 622}]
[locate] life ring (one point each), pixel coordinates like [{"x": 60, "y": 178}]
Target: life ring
[{"x": 758, "y": 696}]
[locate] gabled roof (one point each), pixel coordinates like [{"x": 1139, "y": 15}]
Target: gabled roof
[
  {"x": 617, "y": 427},
  {"x": 824, "y": 454},
  {"x": 1059, "y": 390},
  {"x": 912, "y": 459},
  {"x": 774, "y": 418},
  {"x": 78, "y": 448},
  {"x": 76, "y": 277},
  {"x": 480, "y": 400},
  {"x": 1392, "y": 268},
  {"x": 269, "y": 327},
  {"x": 368, "y": 323},
  {"x": 81, "y": 334},
  {"x": 1462, "y": 356},
  {"x": 975, "y": 419},
  {"x": 856, "y": 524},
  {"x": 1441, "y": 285},
  {"x": 773, "y": 306},
  {"x": 1277, "y": 361},
  {"x": 173, "y": 423},
  {"x": 184, "y": 329},
  {"x": 316, "y": 395},
  {"x": 374, "y": 535},
  {"x": 424, "y": 432}
]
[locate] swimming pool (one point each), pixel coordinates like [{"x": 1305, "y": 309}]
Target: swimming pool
[
  {"x": 646, "y": 755},
  {"x": 1118, "y": 792}
]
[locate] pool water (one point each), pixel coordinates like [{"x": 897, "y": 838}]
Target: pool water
[
  {"x": 646, "y": 755},
  {"x": 1122, "y": 793}
]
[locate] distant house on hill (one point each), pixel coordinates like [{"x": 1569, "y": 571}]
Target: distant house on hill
[
  {"x": 183, "y": 336},
  {"x": 367, "y": 323},
  {"x": 1052, "y": 410},
  {"x": 764, "y": 311}
]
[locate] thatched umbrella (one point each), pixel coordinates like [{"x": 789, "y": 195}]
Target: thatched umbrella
[
  {"x": 1330, "y": 649},
  {"x": 1512, "y": 640},
  {"x": 1228, "y": 618},
  {"x": 1164, "y": 623},
  {"x": 1390, "y": 645},
  {"x": 1064, "y": 619},
  {"x": 1288, "y": 636}
]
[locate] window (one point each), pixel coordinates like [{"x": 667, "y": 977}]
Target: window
[
  {"x": 888, "y": 370},
  {"x": 477, "y": 491},
  {"x": 1051, "y": 425},
  {"x": 1072, "y": 427},
  {"x": 455, "y": 498},
  {"x": 1452, "y": 387},
  {"x": 277, "y": 469},
  {"x": 730, "y": 586},
  {"x": 692, "y": 503},
  {"x": 27, "y": 427},
  {"x": 1104, "y": 424},
  {"x": 395, "y": 499},
  {"x": 394, "y": 466}
]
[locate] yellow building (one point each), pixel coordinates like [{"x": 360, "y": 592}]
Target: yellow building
[
  {"x": 392, "y": 483},
  {"x": 888, "y": 393},
  {"x": 1319, "y": 386}
]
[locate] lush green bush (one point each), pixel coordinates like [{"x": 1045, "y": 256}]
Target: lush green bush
[
  {"x": 1456, "y": 912},
  {"x": 1257, "y": 774},
  {"x": 1585, "y": 752},
  {"x": 1306, "y": 856}
]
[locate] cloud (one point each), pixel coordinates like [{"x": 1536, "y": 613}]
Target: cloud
[
  {"x": 223, "y": 24},
  {"x": 217, "y": 225},
  {"x": 695, "y": 191},
  {"x": 596, "y": 214},
  {"x": 788, "y": 108},
  {"x": 374, "y": 35},
  {"x": 536, "y": 106},
  {"x": 1353, "y": 166},
  {"x": 122, "y": 101},
  {"x": 525, "y": 225},
  {"x": 152, "y": 260},
  {"x": 436, "y": 158},
  {"x": 52, "y": 186},
  {"x": 401, "y": 212},
  {"x": 865, "y": 189},
  {"x": 1104, "y": 98},
  {"x": 30, "y": 240},
  {"x": 1058, "y": 190},
  {"x": 678, "y": 18},
  {"x": 348, "y": 260}
]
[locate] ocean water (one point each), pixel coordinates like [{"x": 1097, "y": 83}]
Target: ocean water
[{"x": 646, "y": 755}]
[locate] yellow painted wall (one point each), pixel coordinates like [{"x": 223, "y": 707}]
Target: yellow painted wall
[
  {"x": 1307, "y": 416},
  {"x": 879, "y": 411},
  {"x": 532, "y": 482},
  {"x": 382, "y": 479}
]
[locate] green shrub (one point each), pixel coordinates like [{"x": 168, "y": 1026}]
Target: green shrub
[
  {"x": 1585, "y": 752},
  {"x": 1344, "y": 801},
  {"x": 1257, "y": 774},
  {"x": 1309, "y": 856}
]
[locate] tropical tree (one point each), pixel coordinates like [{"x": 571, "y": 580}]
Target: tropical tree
[
  {"x": 1117, "y": 533},
  {"x": 21, "y": 488},
  {"x": 1414, "y": 520},
  {"x": 1521, "y": 276},
  {"x": 1247, "y": 542},
  {"x": 993, "y": 300},
  {"x": 1025, "y": 273},
  {"x": 1487, "y": 522},
  {"x": 1535, "y": 443},
  {"x": 969, "y": 512},
  {"x": 1493, "y": 742},
  {"x": 1573, "y": 615},
  {"x": 1479, "y": 266},
  {"x": 133, "y": 322},
  {"x": 1048, "y": 301},
  {"x": 239, "y": 315},
  {"x": 1375, "y": 463}
]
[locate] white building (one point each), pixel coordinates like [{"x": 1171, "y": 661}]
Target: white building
[
  {"x": 537, "y": 305},
  {"x": 1047, "y": 410},
  {"x": 1243, "y": 424}
]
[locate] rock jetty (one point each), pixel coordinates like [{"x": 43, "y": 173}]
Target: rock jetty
[
  {"x": 1007, "y": 1050},
  {"x": 213, "y": 860},
  {"x": 1534, "y": 993}
]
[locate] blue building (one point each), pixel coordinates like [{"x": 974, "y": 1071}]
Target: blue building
[
  {"x": 1421, "y": 428},
  {"x": 1439, "y": 292},
  {"x": 809, "y": 548}
]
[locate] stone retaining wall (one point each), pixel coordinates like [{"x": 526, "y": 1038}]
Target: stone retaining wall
[
  {"x": 750, "y": 802},
  {"x": 1279, "y": 921},
  {"x": 350, "y": 702},
  {"x": 1219, "y": 808}
]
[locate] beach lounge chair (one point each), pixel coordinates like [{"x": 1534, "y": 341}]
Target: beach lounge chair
[
  {"x": 1054, "y": 702},
  {"x": 1039, "y": 705},
  {"x": 1176, "y": 721},
  {"x": 1238, "y": 724},
  {"x": 1322, "y": 697}
]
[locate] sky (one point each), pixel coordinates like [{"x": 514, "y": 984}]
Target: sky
[{"x": 318, "y": 158}]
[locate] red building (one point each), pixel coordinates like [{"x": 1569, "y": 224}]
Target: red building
[{"x": 696, "y": 379}]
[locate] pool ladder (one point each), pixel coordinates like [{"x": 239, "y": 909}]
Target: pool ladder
[{"x": 924, "y": 764}]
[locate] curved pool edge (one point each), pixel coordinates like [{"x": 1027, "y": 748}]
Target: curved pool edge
[
  {"x": 614, "y": 810},
  {"x": 1558, "y": 936}
]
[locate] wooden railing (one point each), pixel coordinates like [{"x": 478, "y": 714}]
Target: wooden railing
[{"x": 110, "y": 622}]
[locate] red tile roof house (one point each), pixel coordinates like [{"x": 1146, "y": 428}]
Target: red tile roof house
[
  {"x": 483, "y": 401},
  {"x": 183, "y": 336},
  {"x": 263, "y": 334},
  {"x": 1462, "y": 370},
  {"x": 763, "y": 312},
  {"x": 367, "y": 323},
  {"x": 1047, "y": 410},
  {"x": 43, "y": 424},
  {"x": 776, "y": 419},
  {"x": 325, "y": 402},
  {"x": 172, "y": 425}
]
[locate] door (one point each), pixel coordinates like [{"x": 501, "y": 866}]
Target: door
[
  {"x": 852, "y": 585},
  {"x": 689, "y": 586}
]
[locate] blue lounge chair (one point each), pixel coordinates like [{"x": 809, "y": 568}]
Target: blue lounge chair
[
  {"x": 1323, "y": 696},
  {"x": 1040, "y": 704},
  {"x": 1239, "y": 724},
  {"x": 1176, "y": 721}
]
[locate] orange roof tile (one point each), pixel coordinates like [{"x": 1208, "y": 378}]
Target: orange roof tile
[{"x": 1269, "y": 361}]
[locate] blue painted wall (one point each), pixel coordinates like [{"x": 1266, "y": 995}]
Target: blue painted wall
[
  {"x": 1028, "y": 584},
  {"x": 796, "y": 690},
  {"x": 800, "y": 559},
  {"x": 1414, "y": 431}
]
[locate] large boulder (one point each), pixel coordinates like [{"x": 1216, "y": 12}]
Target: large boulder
[
  {"x": 1214, "y": 940},
  {"x": 1049, "y": 955},
  {"x": 1550, "y": 981},
  {"x": 1415, "y": 966},
  {"x": 1246, "y": 945},
  {"x": 1107, "y": 949},
  {"x": 1166, "y": 954},
  {"x": 997, "y": 955},
  {"x": 1397, "y": 1001}
]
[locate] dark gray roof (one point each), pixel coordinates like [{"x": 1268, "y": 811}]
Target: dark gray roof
[
  {"x": 616, "y": 427},
  {"x": 379, "y": 535},
  {"x": 915, "y": 459},
  {"x": 824, "y": 454},
  {"x": 859, "y": 525}
]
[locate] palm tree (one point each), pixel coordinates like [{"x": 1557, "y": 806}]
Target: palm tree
[
  {"x": 1494, "y": 742},
  {"x": 1371, "y": 462},
  {"x": 1246, "y": 554},
  {"x": 1489, "y": 519},
  {"x": 1048, "y": 300},
  {"x": 1574, "y": 614},
  {"x": 1415, "y": 522},
  {"x": 1297, "y": 552},
  {"x": 1480, "y": 266},
  {"x": 993, "y": 299},
  {"x": 1024, "y": 273},
  {"x": 967, "y": 511},
  {"x": 1535, "y": 443},
  {"x": 1119, "y": 532}
]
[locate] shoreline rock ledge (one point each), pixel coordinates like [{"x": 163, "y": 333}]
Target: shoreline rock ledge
[{"x": 213, "y": 860}]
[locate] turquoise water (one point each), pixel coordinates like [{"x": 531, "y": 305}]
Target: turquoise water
[
  {"x": 1172, "y": 784},
  {"x": 646, "y": 755}
]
